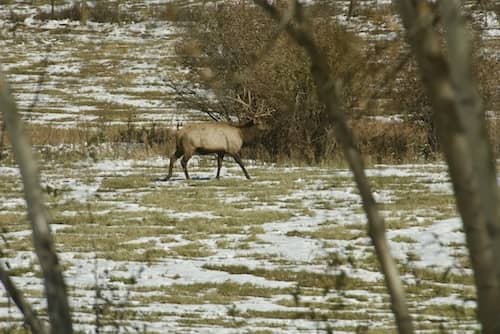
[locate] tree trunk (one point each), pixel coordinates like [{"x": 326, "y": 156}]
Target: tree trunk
[{"x": 461, "y": 126}]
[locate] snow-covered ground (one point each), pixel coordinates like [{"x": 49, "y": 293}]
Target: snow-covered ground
[
  {"x": 286, "y": 252},
  {"x": 71, "y": 75},
  {"x": 312, "y": 201}
]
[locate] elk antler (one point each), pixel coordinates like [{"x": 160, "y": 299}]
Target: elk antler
[{"x": 251, "y": 110}]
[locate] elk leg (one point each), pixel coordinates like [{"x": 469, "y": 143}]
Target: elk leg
[
  {"x": 184, "y": 163},
  {"x": 173, "y": 159},
  {"x": 220, "y": 157},
  {"x": 238, "y": 160}
]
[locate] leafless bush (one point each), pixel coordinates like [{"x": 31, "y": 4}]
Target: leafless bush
[
  {"x": 224, "y": 51},
  {"x": 150, "y": 136},
  {"x": 176, "y": 11},
  {"x": 101, "y": 11},
  {"x": 224, "y": 48},
  {"x": 390, "y": 142},
  {"x": 411, "y": 99}
]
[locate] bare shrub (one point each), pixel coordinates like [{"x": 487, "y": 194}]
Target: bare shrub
[
  {"x": 72, "y": 13},
  {"x": 390, "y": 142},
  {"x": 175, "y": 11},
  {"x": 152, "y": 136},
  {"x": 223, "y": 49},
  {"x": 100, "y": 11},
  {"x": 411, "y": 99}
]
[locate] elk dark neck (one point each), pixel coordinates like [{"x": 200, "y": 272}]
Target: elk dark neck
[{"x": 249, "y": 134}]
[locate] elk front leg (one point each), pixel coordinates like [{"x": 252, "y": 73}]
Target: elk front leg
[
  {"x": 238, "y": 160},
  {"x": 220, "y": 157},
  {"x": 184, "y": 163}
]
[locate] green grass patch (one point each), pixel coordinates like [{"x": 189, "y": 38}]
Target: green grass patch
[
  {"x": 404, "y": 238},
  {"x": 130, "y": 280},
  {"x": 132, "y": 181},
  {"x": 411, "y": 201},
  {"x": 193, "y": 249},
  {"x": 449, "y": 311},
  {"x": 322, "y": 281},
  {"x": 224, "y": 293},
  {"x": 331, "y": 231}
]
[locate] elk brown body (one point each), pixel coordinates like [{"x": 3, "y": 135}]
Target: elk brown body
[{"x": 213, "y": 138}]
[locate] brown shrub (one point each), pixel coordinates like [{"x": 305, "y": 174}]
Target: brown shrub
[
  {"x": 228, "y": 39},
  {"x": 411, "y": 99},
  {"x": 223, "y": 49},
  {"x": 100, "y": 11},
  {"x": 391, "y": 142}
]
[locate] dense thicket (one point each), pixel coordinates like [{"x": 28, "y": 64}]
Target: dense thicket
[{"x": 234, "y": 50}]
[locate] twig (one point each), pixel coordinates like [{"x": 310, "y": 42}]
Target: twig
[
  {"x": 199, "y": 102},
  {"x": 234, "y": 79},
  {"x": 389, "y": 76},
  {"x": 29, "y": 315},
  {"x": 2, "y": 138},
  {"x": 41, "y": 81}
]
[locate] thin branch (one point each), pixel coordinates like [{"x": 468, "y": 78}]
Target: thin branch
[
  {"x": 389, "y": 77},
  {"x": 40, "y": 82},
  {"x": 235, "y": 78},
  {"x": 193, "y": 99},
  {"x": 57, "y": 300},
  {"x": 471, "y": 109},
  {"x": 328, "y": 92},
  {"x": 2, "y": 138},
  {"x": 29, "y": 315}
]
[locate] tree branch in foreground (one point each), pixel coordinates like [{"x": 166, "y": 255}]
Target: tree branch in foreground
[
  {"x": 29, "y": 315},
  {"x": 58, "y": 307},
  {"x": 457, "y": 107},
  {"x": 329, "y": 94}
]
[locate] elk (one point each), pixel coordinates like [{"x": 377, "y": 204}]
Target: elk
[{"x": 214, "y": 138}]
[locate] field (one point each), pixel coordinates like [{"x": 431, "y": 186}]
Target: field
[{"x": 284, "y": 252}]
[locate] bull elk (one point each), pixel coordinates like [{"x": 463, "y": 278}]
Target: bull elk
[{"x": 214, "y": 138}]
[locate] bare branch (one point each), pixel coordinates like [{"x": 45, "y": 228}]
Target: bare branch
[
  {"x": 2, "y": 137},
  {"x": 40, "y": 82},
  {"x": 389, "y": 77},
  {"x": 329, "y": 94},
  {"x": 458, "y": 112},
  {"x": 29, "y": 315},
  {"x": 58, "y": 307},
  {"x": 191, "y": 98}
]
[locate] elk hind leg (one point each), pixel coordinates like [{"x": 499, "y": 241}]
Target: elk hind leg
[
  {"x": 173, "y": 159},
  {"x": 220, "y": 157},
  {"x": 184, "y": 163},
  {"x": 237, "y": 158}
]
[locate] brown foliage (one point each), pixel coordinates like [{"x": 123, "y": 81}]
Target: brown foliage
[
  {"x": 390, "y": 142},
  {"x": 228, "y": 42},
  {"x": 411, "y": 99},
  {"x": 224, "y": 50},
  {"x": 100, "y": 11}
]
